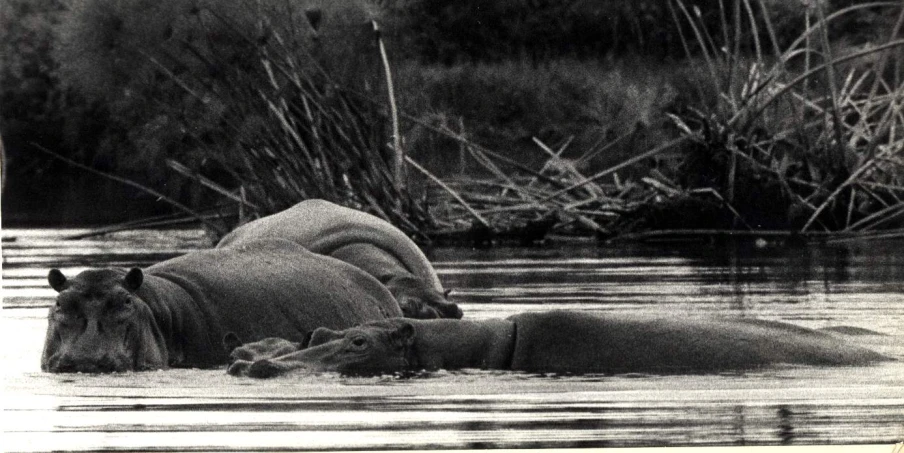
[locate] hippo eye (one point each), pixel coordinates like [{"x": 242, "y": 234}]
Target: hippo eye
[
  {"x": 359, "y": 342},
  {"x": 65, "y": 307},
  {"x": 124, "y": 302}
]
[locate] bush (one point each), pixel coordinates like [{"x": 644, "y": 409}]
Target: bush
[{"x": 36, "y": 106}]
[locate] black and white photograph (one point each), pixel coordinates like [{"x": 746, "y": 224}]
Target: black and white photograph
[{"x": 370, "y": 225}]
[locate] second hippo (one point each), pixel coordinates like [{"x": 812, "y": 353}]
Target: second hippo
[
  {"x": 554, "y": 341},
  {"x": 362, "y": 240}
]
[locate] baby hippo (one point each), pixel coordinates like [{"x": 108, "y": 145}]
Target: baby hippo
[{"x": 555, "y": 341}]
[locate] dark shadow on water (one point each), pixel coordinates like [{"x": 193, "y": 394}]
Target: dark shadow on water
[{"x": 785, "y": 425}]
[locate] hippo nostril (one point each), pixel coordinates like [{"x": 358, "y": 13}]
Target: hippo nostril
[
  {"x": 70, "y": 365},
  {"x": 63, "y": 367},
  {"x": 263, "y": 369},
  {"x": 450, "y": 311},
  {"x": 239, "y": 368},
  {"x": 416, "y": 310},
  {"x": 65, "y": 364},
  {"x": 106, "y": 365}
]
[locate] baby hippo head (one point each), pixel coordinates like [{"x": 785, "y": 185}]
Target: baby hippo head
[{"x": 371, "y": 349}]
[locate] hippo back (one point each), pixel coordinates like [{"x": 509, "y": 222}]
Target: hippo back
[
  {"x": 275, "y": 288},
  {"x": 323, "y": 227},
  {"x": 580, "y": 342}
]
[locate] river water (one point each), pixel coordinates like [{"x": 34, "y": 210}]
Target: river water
[{"x": 859, "y": 285}]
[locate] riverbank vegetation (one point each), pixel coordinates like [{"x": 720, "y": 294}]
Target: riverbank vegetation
[{"x": 613, "y": 119}]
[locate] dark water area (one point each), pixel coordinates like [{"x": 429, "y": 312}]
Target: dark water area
[
  {"x": 74, "y": 201},
  {"x": 858, "y": 285}
]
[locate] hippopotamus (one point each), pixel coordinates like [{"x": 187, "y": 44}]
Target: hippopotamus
[
  {"x": 175, "y": 313},
  {"x": 554, "y": 341},
  {"x": 364, "y": 241}
]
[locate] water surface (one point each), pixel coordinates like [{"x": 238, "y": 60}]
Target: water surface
[{"x": 857, "y": 285}]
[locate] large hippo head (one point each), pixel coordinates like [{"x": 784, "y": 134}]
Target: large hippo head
[
  {"x": 100, "y": 325},
  {"x": 419, "y": 301},
  {"x": 374, "y": 348}
]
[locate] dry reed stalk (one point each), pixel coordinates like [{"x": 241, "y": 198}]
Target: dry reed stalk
[
  {"x": 591, "y": 153},
  {"x": 705, "y": 45},
  {"x": 398, "y": 155},
  {"x": 448, "y": 189},
  {"x": 568, "y": 170},
  {"x": 623, "y": 164},
  {"x": 159, "y": 221},
  {"x": 806, "y": 76},
  {"x": 187, "y": 172}
]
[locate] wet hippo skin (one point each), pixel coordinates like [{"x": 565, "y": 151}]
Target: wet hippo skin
[
  {"x": 175, "y": 313},
  {"x": 559, "y": 341},
  {"x": 363, "y": 240}
]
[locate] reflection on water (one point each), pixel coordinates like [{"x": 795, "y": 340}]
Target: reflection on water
[{"x": 859, "y": 285}]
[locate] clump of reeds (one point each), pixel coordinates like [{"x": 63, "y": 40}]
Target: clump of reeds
[
  {"x": 804, "y": 138},
  {"x": 505, "y": 199},
  {"x": 275, "y": 113},
  {"x": 807, "y": 137},
  {"x": 299, "y": 133}
]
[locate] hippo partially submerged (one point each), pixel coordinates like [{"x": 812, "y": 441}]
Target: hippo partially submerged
[
  {"x": 175, "y": 313},
  {"x": 362, "y": 240},
  {"x": 556, "y": 341}
]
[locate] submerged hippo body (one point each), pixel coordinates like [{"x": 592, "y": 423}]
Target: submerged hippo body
[
  {"x": 175, "y": 313},
  {"x": 362, "y": 240},
  {"x": 560, "y": 341}
]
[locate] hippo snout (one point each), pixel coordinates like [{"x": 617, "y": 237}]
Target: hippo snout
[
  {"x": 263, "y": 369},
  {"x": 238, "y": 368},
  {"x": 447, "y": 310},
  {"x": 417, "y": 309},
  {"x": 70, "y": 364},
  {"x": 454, "y": 312}
]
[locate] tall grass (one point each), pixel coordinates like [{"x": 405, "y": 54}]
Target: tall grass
[
  {"x": 806, "y": 137},
  {"x": 300, "y": 131}
]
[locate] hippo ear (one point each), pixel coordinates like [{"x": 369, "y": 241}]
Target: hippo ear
[
  {"x": 323, "y": 335},
  {"x": 56, "y": 279},
  {"x": 306, "y": 341},
  {"x": 404, "y": 334},
  {"x": 231, "y": 341},
  {"x": 314, "y": 16},
  {"x": 133, "y": 279}
]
